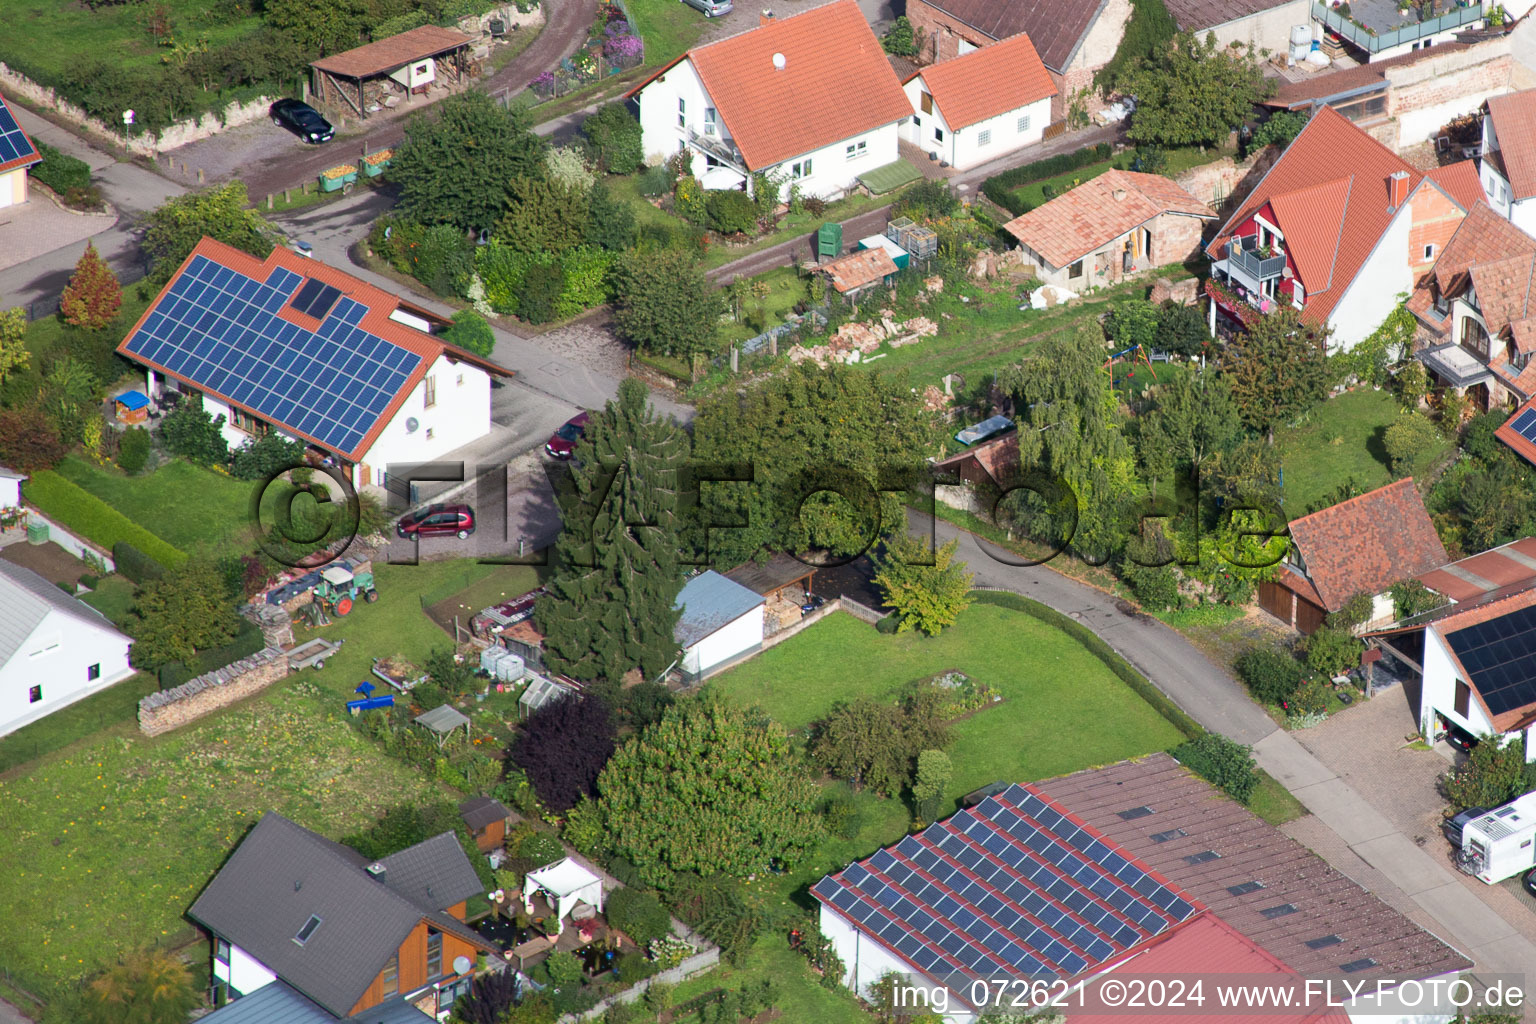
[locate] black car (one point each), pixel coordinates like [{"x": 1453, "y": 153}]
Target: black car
[
  {"x": 1529, "y": 881},
  {"x": 301, "y": 119},
  {"x": 1460, "y": 739},
  {"x": 1452, "y": 826}
]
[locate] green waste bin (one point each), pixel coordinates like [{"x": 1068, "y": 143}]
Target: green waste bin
[
  {"x": 37, "y": 533},
  {"x": 829, "y": 240}
]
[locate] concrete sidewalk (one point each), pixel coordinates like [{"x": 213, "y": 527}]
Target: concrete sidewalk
[{"x": 1218, "y": 702}]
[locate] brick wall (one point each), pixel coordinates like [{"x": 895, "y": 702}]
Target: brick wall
[
  {"x": 1175, "y": 238},
  {"x": 941, "y": 34},
  {"x": 1432, "y": 220},
  {"x": 170, "y": 709}
]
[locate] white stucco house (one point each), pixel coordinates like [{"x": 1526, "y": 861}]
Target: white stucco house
[
  {"x": 10, "y": 488},
  {"x": 981, "y": 105},
  {"x": 809, "y": 100},
  {"x": 54, "y": 648},
  {"x": 290, "y": 345},
  {"x": 722, "y": 622},
  {"x": 17, "y": 155},
  {"x": 1508, "y": 164},
  {"x": 1477, "y": 673}
]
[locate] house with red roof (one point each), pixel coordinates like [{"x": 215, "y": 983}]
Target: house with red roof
[
  {"x": 1509, "y": 156},
  {"x": 809, "y": 100},
  {"x": 1113, "y": 226},
  {"x": 1477, "y": 312},
  {"x": 292, "y": 346},
  {"x": 17, "y": 155},
  {"x": 1360, "y": 546},
  {"x": 1338, "y": 228},
  {"x": 981, "y": 106}
]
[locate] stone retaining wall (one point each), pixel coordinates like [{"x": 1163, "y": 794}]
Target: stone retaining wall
[{"x": 170, "y": 709}]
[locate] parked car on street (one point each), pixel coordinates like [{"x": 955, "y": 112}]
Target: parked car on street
[
  {"x": 438, "y": 521},
  {"x": 301, "y": 119},
  {"x": 562, "y": 443},
  {"x": 711, "y": 8}
]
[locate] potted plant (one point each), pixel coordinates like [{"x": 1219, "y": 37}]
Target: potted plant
[{"x": 551, "y": 926}]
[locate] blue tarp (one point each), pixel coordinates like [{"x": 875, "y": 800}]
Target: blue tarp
[{"x": 133, "y": 400}]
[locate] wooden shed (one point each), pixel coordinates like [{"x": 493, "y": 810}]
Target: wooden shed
[
  {"x": 406, "y": 64},
  {"x": 487, "y": 821}
]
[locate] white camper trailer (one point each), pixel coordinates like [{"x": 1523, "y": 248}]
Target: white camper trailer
[{"x": 1501, "y": 843}]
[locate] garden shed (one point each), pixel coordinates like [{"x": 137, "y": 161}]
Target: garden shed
[
  {"x": 486, "y": 819},
  {"x": 784, "y": 583},
  {"x": 442, "y": 721},
  {"x": 377, "y": 75},
  {"x": 722, "y": 622},
  {"x": 541, "y": 691},
  {"x": 566, "y": 884}
]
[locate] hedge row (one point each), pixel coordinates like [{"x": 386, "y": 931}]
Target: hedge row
[
  {"x": 76, "y": 509},
  {"x": 999, "y": 188},
  {"x": 135, "y": 564},
  {"x": 60, "y": 171},
  {"x": 1101, "y": 650},
  {"x": 246, "y": 643}
]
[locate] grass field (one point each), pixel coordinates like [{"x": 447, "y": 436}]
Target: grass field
[
  {"x": 110, "y": 842},
  {"x": 667, "y": 27},
  {"x": 785, "y": 288},
  {"x": 184, "y": 505},
  {"x": 115, "y": 708},
  {"x": 1179, "y": 161},
  {"x": 1052, "y": 688},
  {"x": 1339, "y": 440},
  {"x": 112, "y": 597}
]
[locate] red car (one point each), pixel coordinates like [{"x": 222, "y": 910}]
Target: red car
[
  {"x": 562, "y": 443},
  {"x": 438, "y": 521}
]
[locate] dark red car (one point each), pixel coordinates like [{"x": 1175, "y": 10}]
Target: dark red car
[
  {"x": 438, "y": 521},
  {"x": 562, "y": 443}
]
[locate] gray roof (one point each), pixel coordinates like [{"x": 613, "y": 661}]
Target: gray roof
[
  {"x": 6, "y": 473},
  {"x": 281, "y": 874},
  {"x": 433, "y": 874},
  {"x": 274, "y": 1003},
  {"x": 541, "y": 691},
  {"x": 710, "y": 602},
  {"x": 443, "y": 719},
  {"x": 396, "y": 1011},
  {"x": 480, "y": 811},
  {"x": 26, "y": 599}
]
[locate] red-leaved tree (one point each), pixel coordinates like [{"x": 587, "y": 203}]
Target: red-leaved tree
[
  {"x": 28, "y": 442},
  {"x": 563, "y": 748},
  {"x": 93, "y": 296}
]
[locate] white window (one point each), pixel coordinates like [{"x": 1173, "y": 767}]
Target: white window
[
  {"x": 984, "y": 138},
  {"x": 93, "y": 672},
  {"x": 709, "y": 120},
  {"x": 801, "y": 169},
  {"x": 1429, "y": 251},
  {"x": 854, "y": 150},
  {"x": 1298, "y": 294},
  {"x": 1023, "y": 124},
  {"x": 429, "y": 393},
  {"x": 682, "y": 112}
]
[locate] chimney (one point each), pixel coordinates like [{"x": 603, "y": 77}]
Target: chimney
[
  {"x": 1397, "y": 189},
  {"x": 766, "y": 18},
  {"x": 376, "y": 869},
  {"x": 1119, "y": 195}
]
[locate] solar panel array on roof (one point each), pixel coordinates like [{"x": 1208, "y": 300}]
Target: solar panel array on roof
[
  {"x": 1009, "y": 887},
  {"x": 14, "y": 144},
  {"x": 315, "y": 299},
  {"x": 220, "y": 330},
  {"x": 1525, "y": 425},
  {"x": 1500, "y": 656}
]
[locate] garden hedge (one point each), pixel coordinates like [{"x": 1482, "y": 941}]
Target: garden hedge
[
  {"x": 246, "y": 643},
  {"x": 76, "y": 509},
  {"x": 60, "y": 171},
  {"x": 1101, "y": 650},
  {"x": 999, "y": 188},
  {"x": 135, "y": 564}
]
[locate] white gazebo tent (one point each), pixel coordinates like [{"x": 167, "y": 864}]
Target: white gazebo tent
[{"x": 566, "y": 883}]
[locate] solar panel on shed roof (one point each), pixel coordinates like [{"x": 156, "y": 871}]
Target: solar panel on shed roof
[
  {"x": 14, "y": 144},
  {"x": 1009, "y": 886},
  {"x": 219, "y": 329},
  {"x": 1500, "y": 656}
]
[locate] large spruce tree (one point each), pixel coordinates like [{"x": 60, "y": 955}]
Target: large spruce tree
[{"x": 609, "y": 606}]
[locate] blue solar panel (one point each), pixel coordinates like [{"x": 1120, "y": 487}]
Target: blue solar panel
[
  {"x": 1525, "y": 424},
  {"x": 217, "y": 329}
]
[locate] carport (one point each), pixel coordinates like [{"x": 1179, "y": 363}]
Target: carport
[{"x": 408, "y": 63}]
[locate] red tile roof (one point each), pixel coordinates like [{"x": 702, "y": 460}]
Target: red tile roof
[
  {"x": 1482, "y": 237},
  {"x": 858, "y": 269},
  {"x": 835, "y": 83},
  {"x": 987, "y": 82},
  {"x": 375, "y": 321},
  {"x": 1335, "y": 163},
  {"x": 1057, "y": 26},
  {"x": 386, "y": 55},
  {"x": 1366, "y": 544},
  {"x": 1459, "y": 181},
  {"x": 1472, "y": 578},
  {"x": 1514, "y": 124},
  {"x": 1098, "y": 211},
  {"x": 24, "y": 159}
]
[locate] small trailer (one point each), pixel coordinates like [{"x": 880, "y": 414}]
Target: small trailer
[
  {"x": 312, "y": 653},
  {"x": 1501, "y": 843},
  {"x": 402, "y": 678}
]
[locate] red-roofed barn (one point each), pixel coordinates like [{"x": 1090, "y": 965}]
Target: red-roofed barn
[
  {"x": 981, "y": 106},
  {"x": 809, "y": 99}
]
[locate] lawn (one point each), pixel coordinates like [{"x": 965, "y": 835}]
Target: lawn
[
  {"x": 800, "y": 994},
  {"x": 785, "y": 288},
  {"x": 1052, "y": 688},
  {"x": 112, "y": 597},
  {"x": 1338, "y": 441},
  {"x": 116, "y": 706},
  {"x": 110, "y": 842},
  {"x": 1179, "y": 161},
  {"x": 667, "y": 27},
  {"x": 184, "y": 505}
]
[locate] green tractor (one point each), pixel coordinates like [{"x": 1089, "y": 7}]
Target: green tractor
[{"x": 338, "y": 590}]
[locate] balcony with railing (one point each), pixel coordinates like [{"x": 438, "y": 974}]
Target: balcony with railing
[
  {"x": 1455, "y": 365},
  {"x": 1379, "y": 37}
]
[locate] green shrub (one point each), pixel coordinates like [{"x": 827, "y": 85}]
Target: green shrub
[
  {"x": 76, "y": 509},
  {"x": 1311, "y": 698},
  {"x": 999, "y": 188},
  {"x": 841, "y": 815},
  {"x": 265, "y": 456},
  {"x": 888, "y": 625},
  {"x": 246, "y": 643},
  {"x": 929, "y": 199},
  {"x": 89, "y": 580},
  {"x": 639, "y": 914},
  {"x": 1270, "y": 674},
  {"x": 471, "y": 333},
  {"x": 60, "y": 171},
  {"x": 399, "y": 23},
  {"x": 1224, "y": 763},
  {"x": 1406, "y": 439},
  {"x": 195, "y": 435},
  {"x": 135, "y": 564},
  {"x": 1156, "y": 586},
  {"x": 133, "y": 450},
  {"x": 540, "y": 847},
  {"x": 1492, "y": 775},
  {"x": 656, "y": 181},
  {"x": 583, "y": 281},
  {"x": 1331, "y": 650},
  {"x": 615, "y": 135},
  {"x": 730, "y": 212},
  {"x": 542, "y": 285},
  {"x": 900, "y": 40}
]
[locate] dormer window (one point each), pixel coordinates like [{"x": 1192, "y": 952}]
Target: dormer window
[
  {"x": 1442, "y": 305},
  {"x": 308, "y": 930}
]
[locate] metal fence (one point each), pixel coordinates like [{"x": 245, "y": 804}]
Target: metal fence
[{"x": 1375, "y": 42}]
